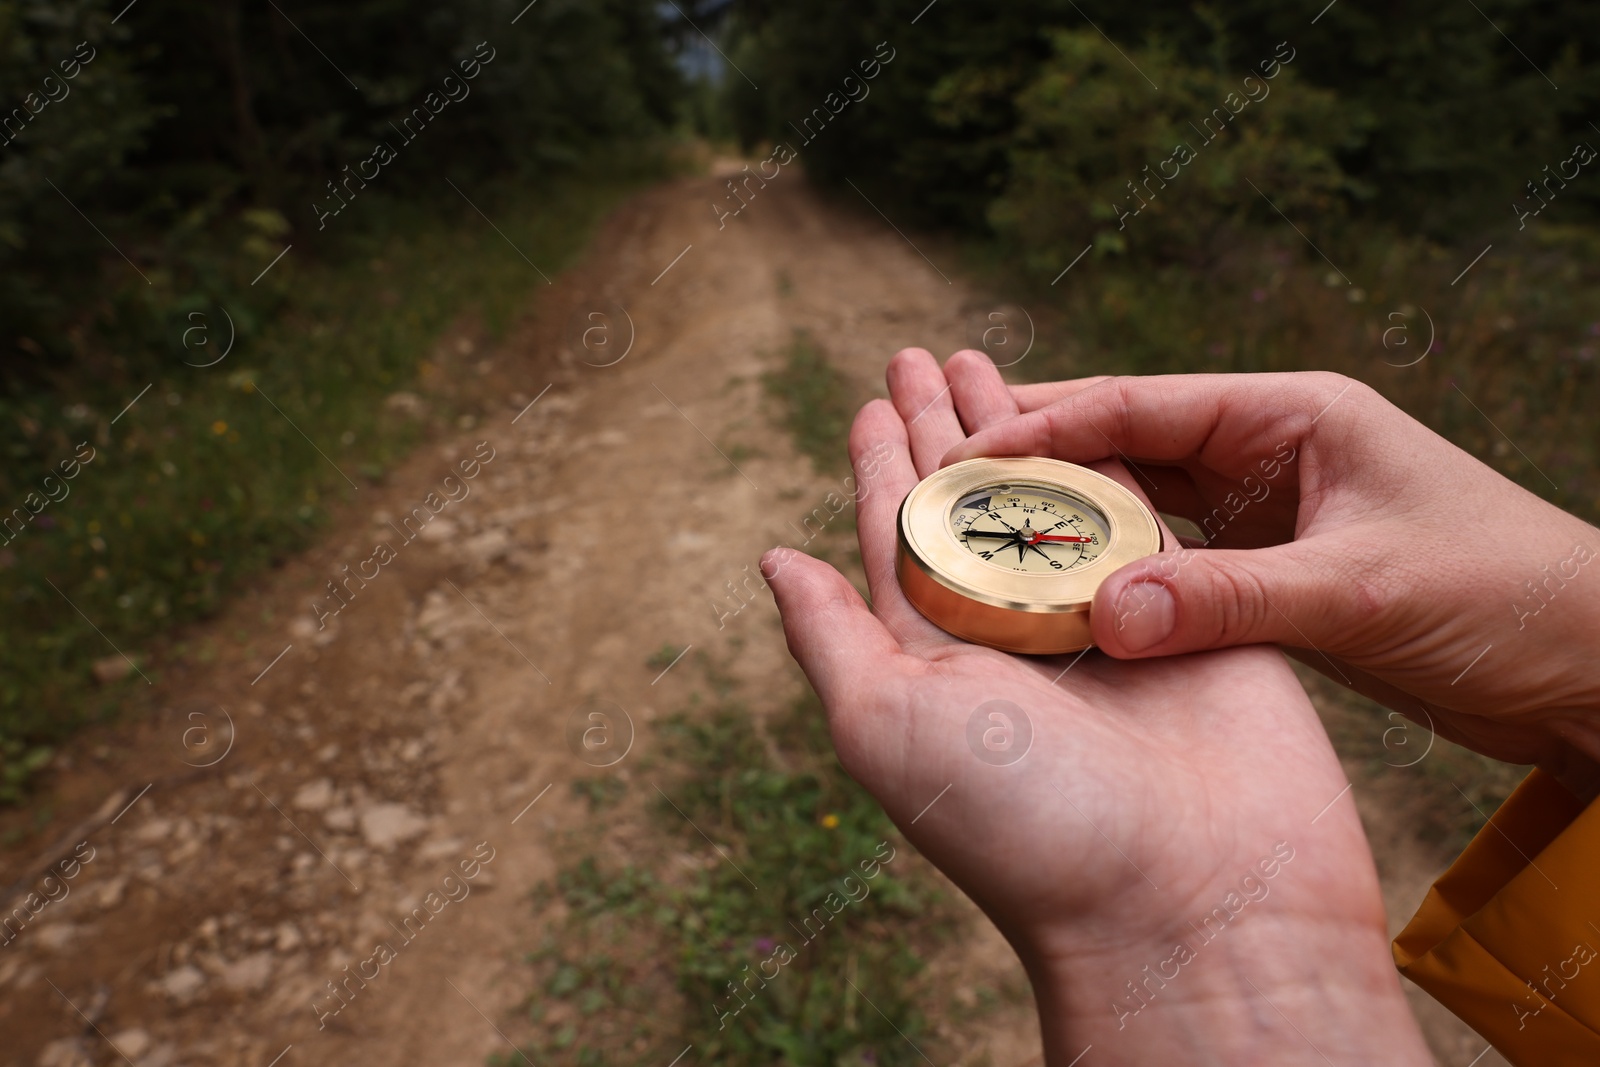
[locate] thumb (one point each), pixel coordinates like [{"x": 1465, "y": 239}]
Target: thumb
[{"x": 1197, "y": 599}]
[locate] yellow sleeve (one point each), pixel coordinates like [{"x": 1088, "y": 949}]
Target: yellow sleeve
[{"x": 1509, "y": 937}]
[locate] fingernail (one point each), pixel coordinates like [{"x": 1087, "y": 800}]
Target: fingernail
[{"x": 1145, "y": 615}]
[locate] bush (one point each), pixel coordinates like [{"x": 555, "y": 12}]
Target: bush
[
  {"x": 1441, "y": 120},
  {"x": 1101, "y": 157}
]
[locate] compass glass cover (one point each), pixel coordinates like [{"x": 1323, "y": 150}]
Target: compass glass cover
[{"x": 1029, "y": 529}]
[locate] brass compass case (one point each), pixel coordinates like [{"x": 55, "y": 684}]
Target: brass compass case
[{"x": 959, "y": 526}]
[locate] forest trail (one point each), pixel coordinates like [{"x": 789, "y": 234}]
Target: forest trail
[{"x": 426, "y": 723}]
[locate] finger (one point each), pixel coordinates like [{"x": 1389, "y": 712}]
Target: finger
[
  {"x": 980, "y": 394},
  {"x": 1146, "y": 482},
  {"x": 1197, "y": 599},
  {"x": 1173, "y": 490},
  {"x": 1036, "y": 395},
  {"x": 922, "y": 397},
  {"x": 831, "y": 632},
  {"x": 880, "y": 454},
  {"x": 1225, "y": 420}
]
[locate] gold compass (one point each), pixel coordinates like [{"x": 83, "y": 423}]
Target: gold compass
[{"x": 1008, "y": 553}]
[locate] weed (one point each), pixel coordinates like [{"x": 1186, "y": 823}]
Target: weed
[
  {"x": 817, "y": 403},
  {"x": 601, "y": 792},
  {"x": 663, "y": 657},
  {"x": 699, "y": 926}
]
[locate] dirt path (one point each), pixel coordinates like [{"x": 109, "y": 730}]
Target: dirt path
[
  {"x": 412, "y": 731},
  {"x": 425, "y": 724}
]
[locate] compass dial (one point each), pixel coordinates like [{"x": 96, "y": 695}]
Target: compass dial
[
  {"x": 1029, "y": 529},
  {"x": 1008, "y": 551}
]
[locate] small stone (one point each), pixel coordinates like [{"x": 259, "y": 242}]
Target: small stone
[
  {"x": 132, "y": 1043},
  {"x": 341, "y": 819},
  {"x": 439, "y": 530},
  {"x": 249, "y": 973},
  {"x": 314, "y": 796},
  {"x": 153, "y": 830},
  {"x": 53, "y": 938},
  {"x": 433, "y": 850},
  {"x": 66, "y": 1052},
  {"x": 182, "y": 984},
  {"x": 405, "y": 403},
  {"x": 386, "y": 825},
  {"x": 111, "y": 669},
  {"x": 109, "y": 895},
  {"x": 487, "y": 546},
  {"x": 288, "y": 937}
]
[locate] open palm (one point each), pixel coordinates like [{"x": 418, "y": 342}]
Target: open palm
[{"x": 1112, "y": 803}]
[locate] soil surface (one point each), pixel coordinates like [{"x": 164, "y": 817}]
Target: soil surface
[{"x": 324, "y": 764}]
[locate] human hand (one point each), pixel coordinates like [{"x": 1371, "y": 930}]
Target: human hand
[
  {"x": 1151, "y": 797},
  {"x": 1378, "y": 552}
]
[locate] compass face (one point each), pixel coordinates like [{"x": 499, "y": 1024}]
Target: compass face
[
  {"x": 1029, "y": 529},
  {"x": 1008, "y": 551}
]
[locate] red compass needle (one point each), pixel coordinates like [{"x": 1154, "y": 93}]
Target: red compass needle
[{"x": 1065, "y": 538}]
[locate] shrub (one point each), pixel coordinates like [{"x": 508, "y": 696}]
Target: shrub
[{"x": 1102, "y": 157}]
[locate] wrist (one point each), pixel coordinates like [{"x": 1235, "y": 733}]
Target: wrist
[{"x": 1270, "y": 990}]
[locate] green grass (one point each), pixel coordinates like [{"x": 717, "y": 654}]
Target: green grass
[
  {"x": 204, "y": 482},
  {"x": 643, "y": 940},
  {"x": 663, "y": 657},
  {"x": 816, "y": 401}
]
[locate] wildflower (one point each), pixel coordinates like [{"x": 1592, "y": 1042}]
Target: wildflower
[{"x": 830, "y": 821}]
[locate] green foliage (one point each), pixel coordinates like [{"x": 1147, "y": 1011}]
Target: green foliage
[
  {"x": 790, "y": 827},
  {"x": 61, "y": 138},
  {"x": 19, "y": 761},
  {"x": 1098, "y": 156},
  {"x": 193, "y": 113},
  {"x": 600, "y": 792},
  {"x": 1441, "y": 120},
  {"x": 663, "y": 657}
]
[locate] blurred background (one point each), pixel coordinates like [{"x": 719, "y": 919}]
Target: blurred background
[{"x": 270, "y": 272}]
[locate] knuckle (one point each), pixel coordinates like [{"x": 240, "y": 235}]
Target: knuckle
[
  {"x": 1370, "y": 597},
  {"x": 1238, "y": 604}
]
